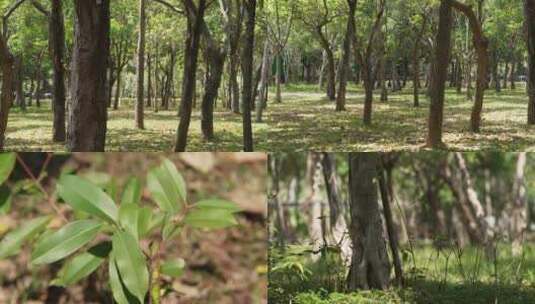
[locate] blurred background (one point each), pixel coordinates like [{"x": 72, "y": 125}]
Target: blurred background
[{"x": 223, "y": 266}]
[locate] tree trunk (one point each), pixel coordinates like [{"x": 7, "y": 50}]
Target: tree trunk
[
  {"x": 331, "y": 66},
  {"x": 88, "y": 113},
  {"x": 234, "y": 87},
  {"x": 346, "y": 52},
  {"x": 519, "y": 210},
  {"x": 247, "y": 70},
  {"x": 149, "y": 81},
  {"x": 191, "y": 53},
  {"x": 57, "y": 52},
  {"x": 140, "y": 101},
  {"x": 370, "y": 267},
  {"x": 264, "y": 79},
  {"x": 117, "y": 90},
  {"x": 20, "y": 101},
  {"x": 529, "y": 19},
  {"x": 278, "y": 78},
  {"x": 440, "y": 73},
  {"x": 6, "y": 95}
]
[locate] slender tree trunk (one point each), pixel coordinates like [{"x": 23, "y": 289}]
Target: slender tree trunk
[
  {"x": 195, "y": 21},
  {"x": 370, "y": 267},
  {"x": 140, "y": 101},
  {"x": 278, "y": 78},
  {"x": 88, "y": 113},
  {"x": 247, "y": 70},
  {"x": 57, "y": 52},
  {"x": 440, "y": 73},
  {"x": 149, "y": 80},
  {"x": 346, "y": 53},
  {"x": 519, "y": 209},
  {"x": 234, "y": 87},
  {"x": 264, "y": 78},
  {"x": 216, "y": 62},
  {"x": 20, "y": 101},
  {"x": 529, "y": 19},
  {"x": 117, "y": 90}
]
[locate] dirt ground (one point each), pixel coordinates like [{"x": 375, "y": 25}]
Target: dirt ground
[{"x": 224, "y": 266}]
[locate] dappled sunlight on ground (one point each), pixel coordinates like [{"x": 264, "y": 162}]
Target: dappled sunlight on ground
[{"x": 308, "y": 122}]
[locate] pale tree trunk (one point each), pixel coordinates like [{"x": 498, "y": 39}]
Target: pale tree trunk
[
  {"x": 518, "y": 211},
  {"x": 274, "y": 167},
  {"x": 337, "y": 221},
  {"x": 529, "y": 17},
  {"x": 370, "y": 267},
  {"x": 140, "y": 102},
  {"x": 313, "y": 205},
  {"x": 264, "y": 78},
  {"x": 88, "y": 111}
]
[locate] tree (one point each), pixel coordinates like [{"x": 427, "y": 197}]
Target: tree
[
  {"x": 529, "y": 19},
  {"x": 346, "y": 49},
  {"x": 370, "y": 267},
  {"x": 6, "y": 96},
  {"x": 57, "y": 52},
  {"x": 440, "y": 71},
  {"x": 248, "y": 70},
  {"x": 140, "y": 101},
  {"x": 519, "y": 209},
  {"x": 89, "y": 99}
]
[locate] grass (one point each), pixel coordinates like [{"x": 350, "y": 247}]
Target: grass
[
  {"x": 432, "y": 276},
  {"x": 304, "y": 121},
  {"x": 32, "y": 131}
]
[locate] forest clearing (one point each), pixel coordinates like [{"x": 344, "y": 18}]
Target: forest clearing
[
  {"x": 228, "y": 70},
  {"x": 427, "y": 227}
]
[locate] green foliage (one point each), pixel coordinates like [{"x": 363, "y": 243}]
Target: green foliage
[
  {"x": 7, "y": 163},
  {"x": 128, "y": 257}
]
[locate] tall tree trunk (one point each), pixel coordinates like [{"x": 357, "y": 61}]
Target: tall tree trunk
[
  {"x": 264, "y": 79},
  {"x": 370, "y": 267},
  {"x": 519, "y": 210},
  {"x": 233, "y": 79},
  {"x": 331, "y": 66},
  {"x": 247, "y": 70},
  {"x": 117, "y": 90},
  {"x": 195, "y": 21},
  {"x": 529, "y": 19},
  {"x": 216, "y": 62},
  {"x": 440, "y": 73},
  {"x": 346, "y": 53},
  {"x": 6, "y": 95},
  {"x": 88, "y": 113},
  {"x": 278, "y": 78},
  {"x": 57, "y": 52},
  {"x": 20, "y": 101},
  {"x": 140, "y": 101},
  {"x": 149, "y": 80}
]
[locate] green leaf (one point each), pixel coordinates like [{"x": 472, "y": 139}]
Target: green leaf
[
  {"x": 155, "y": 221},
  {"x": 174, "y": 268},
  {"x": 12, "y": 242},
  {"x": 5, "y": 199},
  {"x": 85, "y": 196},
  {"x": 170, "y": 229},
  {"x": 132, "y": 192},
  {"x": 134, "y": 219},
  {"x": 210, "y": 218},
  {"x": 7, "y": 163},
  {"x": 218, "y": 204},
  {"x": 167, "y": 187},
  {"x": 119, "y": 291},
  {"x": 64, "y": 241},
  {"x": 82, "y": 265},
  {"x": 131, "y": 264}
]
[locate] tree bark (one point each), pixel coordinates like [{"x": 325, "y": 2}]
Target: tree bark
[
  {"x": 331, "y": 67},
  {"x": 191, "y": 53},
  {"x": 346, "y": 52},
  {"x": 264, "y": 79},
  {"x": 529, "y": 19},
  {"x": 57, "y": 52},
  {"x": 440, "y": 73},
  {"x": 140, "y": 101},
  {"x": 88, "y": 112},
  {"x": 370, "y": 267},
  {"x": 6, "y": 95},
  {"x": 247, "y": 70},
  {"x": 519, "y": 210}
]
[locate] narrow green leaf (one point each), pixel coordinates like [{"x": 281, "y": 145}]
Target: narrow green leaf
[
  {"x": 131, "y": 264},
  {"x": 64, "y": 241},
  {"x": 218, "y": 204},
  {"x": 12, "y": 242},
  {"x": 5, "y": 199},
  {"x": 174, "y": 268},
  {"x": 132, "y": 192},
  {"x": 119, "y": 291},
  {"x": 170, "y": 229},
  {"x": 144, "y": 218},
  {"x": 167, "y": 187},
  {"x": 135, "y": 219},
  {"x": 85, "y": 196},
  {"x": 210, "y": 218},
  {"x": 7, "y": 163},
  {"x": 82, "y": 265}
]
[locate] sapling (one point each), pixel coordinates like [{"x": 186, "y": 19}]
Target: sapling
[{"x": 128, "y": 238}]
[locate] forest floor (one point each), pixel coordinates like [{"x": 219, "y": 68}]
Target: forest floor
[
  {"x": 306, "y": 120},
  {"x": 32, "y": 131},
  {"x": 225, "y": 266},
  {"x": 448, "y": 275}
]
